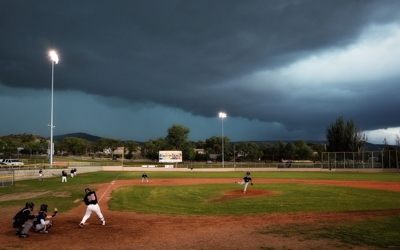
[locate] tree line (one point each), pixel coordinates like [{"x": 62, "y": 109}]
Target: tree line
[{"x": 341, "y": 136}]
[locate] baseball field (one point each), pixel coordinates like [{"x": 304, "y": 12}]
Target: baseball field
[{"x": 207, "y": 210}]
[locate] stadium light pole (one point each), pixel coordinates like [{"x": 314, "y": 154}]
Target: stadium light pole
[
  {"x": 54, "y": 59},
  {"x": 222, "y": 116}
]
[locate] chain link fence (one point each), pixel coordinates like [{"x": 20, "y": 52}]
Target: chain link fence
[
  {"x": 6, "y": 178},
  {"x": 363, "y": 159}
]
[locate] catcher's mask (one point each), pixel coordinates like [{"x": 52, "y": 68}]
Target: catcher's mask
[
  {"x": 30, "y": 205},
  {"x": 87, "y": 190},
  {"x": 43, "y": 207}
]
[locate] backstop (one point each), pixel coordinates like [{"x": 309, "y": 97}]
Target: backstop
[{"x": 6, "y": 178}]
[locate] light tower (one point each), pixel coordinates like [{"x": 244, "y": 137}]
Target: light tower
[
  {"x": 54, "y": 60},
  {"x": 222, "y": 116}
]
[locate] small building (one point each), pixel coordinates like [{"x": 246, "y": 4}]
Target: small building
[{"x": 200, "y": 151}]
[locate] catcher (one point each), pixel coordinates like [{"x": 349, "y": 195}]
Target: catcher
[
  {"x": 246, "y": 180},
  {"x": 40, "y": 223}
]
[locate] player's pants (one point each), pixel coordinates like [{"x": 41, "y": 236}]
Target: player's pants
[
  {"x": 40, "y": 226},
  {"x": 40, "y": 176},
  {"x": 26, "y": 228},
  {"x": 144, "y": 179},
  {"x": 92, "y": 208},
  {"x": 72, "y": 175},
  {"x": 245, "y": 185},
  {"x": 64, "y": 179}
]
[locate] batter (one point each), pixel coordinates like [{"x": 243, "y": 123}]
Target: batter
[{"x": 90, "y": 200}]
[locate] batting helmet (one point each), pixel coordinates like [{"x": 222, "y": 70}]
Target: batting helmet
[
  {"x": 87, "y": 190},
  {"x": 43, "y": 207},
  {"x": 30, "y": 205}
]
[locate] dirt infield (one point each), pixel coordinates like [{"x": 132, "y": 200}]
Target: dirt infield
[{"x": 127, "y": 230}]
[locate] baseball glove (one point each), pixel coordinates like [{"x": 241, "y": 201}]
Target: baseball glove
[
  {"x": 251, "y": 183},
  {"x": 55, "y": 212}
]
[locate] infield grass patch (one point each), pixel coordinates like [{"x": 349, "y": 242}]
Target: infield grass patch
[{"x": 288, "y": 198}]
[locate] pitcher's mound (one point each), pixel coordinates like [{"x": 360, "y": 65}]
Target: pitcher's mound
[{"x": 235, "y": 194}]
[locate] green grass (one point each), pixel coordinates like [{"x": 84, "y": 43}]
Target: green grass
[
  {"x": 380, "y": 232},
  {"x": 278, "y": 175}
]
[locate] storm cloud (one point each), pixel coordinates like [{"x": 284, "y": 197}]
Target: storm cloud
[{"x": 130, "y": 69}]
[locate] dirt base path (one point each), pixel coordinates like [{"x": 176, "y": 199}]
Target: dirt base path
[{"x": 127, "y": 230}]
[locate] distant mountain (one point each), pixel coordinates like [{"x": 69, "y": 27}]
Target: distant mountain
[
  {"x": 84, "y": 136},
  {"x": 88, "y": 137},
  {"x": 373, "y": 147}
]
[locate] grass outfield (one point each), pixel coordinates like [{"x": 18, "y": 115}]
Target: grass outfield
[{"x": 193, "y": 200}]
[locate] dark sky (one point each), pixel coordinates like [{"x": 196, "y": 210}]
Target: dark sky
[{"x": 280, "y": 70}]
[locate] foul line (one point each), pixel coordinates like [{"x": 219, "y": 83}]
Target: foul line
[{"x": 112, "y": 183}]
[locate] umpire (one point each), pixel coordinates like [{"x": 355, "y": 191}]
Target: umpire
[{"x": 21, "y": 222}]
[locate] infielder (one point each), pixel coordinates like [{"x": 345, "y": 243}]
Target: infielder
[
  {"x": 90, "y": 200},
  {"x": 246, "y": 180},
  {"x": 41, "y": 224},
  {"x": 144, "y": 177}
]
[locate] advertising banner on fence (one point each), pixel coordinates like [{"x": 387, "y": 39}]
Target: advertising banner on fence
[{"x": 170, "y": 156}]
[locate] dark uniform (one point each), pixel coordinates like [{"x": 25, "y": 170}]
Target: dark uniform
[
  {"x": 40, "y": 223},
  {"x": 90, "y": 200},
  {"x": 64, "y": 176},
  {"x": 246, "y": 181},
  {"x": 144, "y": 177},
  {"x": 21, "y": 222}
]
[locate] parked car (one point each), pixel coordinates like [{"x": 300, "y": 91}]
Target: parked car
[{"x": 12, "y": 162}]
